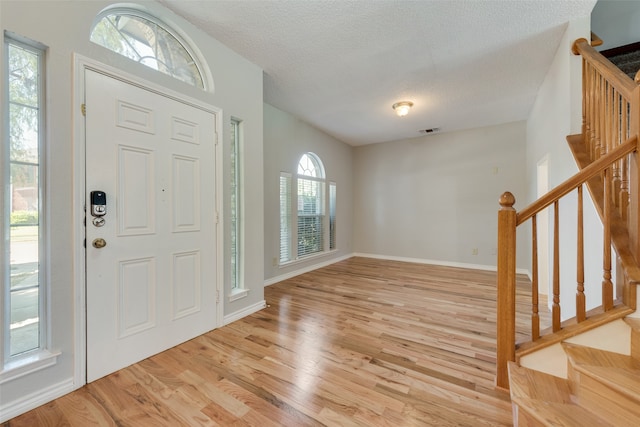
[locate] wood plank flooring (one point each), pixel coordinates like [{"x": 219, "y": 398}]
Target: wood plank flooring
[{"x": 362, "y": 342}]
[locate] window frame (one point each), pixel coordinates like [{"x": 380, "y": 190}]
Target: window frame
[
  {"x": 286, "y": 218},
  {"x": 319, "y": 214},
  {"x": 289, "y": 217},
  {"x": 39, "y": 357},
  {"x": 236, "y": 206},
  {"x": 332, "y": 201},
  {"x": 184, "y": 43}
]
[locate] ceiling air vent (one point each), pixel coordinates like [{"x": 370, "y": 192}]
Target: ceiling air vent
[{"x": 429, "y": 131}]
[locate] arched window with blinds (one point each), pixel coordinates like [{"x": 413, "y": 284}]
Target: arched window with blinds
[{"x": 311, "y": 209}]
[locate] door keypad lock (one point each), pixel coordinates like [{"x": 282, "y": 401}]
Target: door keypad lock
[{"x": 98, "y": 203}]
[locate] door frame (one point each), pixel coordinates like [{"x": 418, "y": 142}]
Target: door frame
[{"x": 81, "y": 64}]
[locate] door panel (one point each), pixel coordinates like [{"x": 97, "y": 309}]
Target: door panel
[{"x": 154, "y": 283}]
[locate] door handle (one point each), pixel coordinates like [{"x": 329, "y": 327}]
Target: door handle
[{"x": 99, "y": 243}]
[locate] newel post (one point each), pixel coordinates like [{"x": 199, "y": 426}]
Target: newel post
[{"x": 506, "y": 311}]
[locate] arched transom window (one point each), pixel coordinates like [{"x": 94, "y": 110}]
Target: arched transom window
[{"x": 147, "y": 40}]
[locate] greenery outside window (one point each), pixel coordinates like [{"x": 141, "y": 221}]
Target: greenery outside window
[
  {"x": 235, "y": 204},
  {"x": 144, "y": 39},
  {"x": 23, "y": 284}
]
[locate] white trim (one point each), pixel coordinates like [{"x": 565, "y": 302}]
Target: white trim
[
  {"x": 237, "y": 293},
  {"x": 28, "y": 365},
  {"x": 229, "y": 318},
  {"x": 307, "y": 258},
  {"x": 83, "y": 63},
  {"x": 303, "y": 270},
  {"x": 439, "y": 262},
  {"x": 78, "y": 182},
  {"x": 37, "y": 398}
]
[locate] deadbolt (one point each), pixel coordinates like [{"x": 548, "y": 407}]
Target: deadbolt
[{"x": 99, "y": 243}]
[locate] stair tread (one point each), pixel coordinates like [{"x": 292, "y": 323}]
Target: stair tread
[
  {"x": 532, "y": 384},
  {"x": 617, "y": 371},
  {"x": 559, "y": 414},
  {"x": 626, "y": 381},
  {"x": 633, "y": 322},
  {"x": 590, "y": 356}
]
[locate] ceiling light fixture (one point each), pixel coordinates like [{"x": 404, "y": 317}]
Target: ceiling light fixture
[{"x": 402, "y": 108}]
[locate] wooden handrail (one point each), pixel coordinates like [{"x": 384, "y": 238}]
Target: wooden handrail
[
  {"x": 595, "y": 40},
  {"x": 581, "y": 177},
  {"x": 614, "y": 75}
]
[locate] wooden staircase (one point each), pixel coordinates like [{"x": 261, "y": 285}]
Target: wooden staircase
[
  {"x": 593, "y": 385},
  {"x": 602, "y": 389}
]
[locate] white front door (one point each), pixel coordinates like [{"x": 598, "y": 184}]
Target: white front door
[{"x": 153, "y": 284}]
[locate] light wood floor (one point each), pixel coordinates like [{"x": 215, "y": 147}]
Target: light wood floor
[{"x": 362, "y": 342}]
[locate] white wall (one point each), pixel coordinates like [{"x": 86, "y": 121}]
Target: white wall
[
  {"x": 557, "y": 113},
  {"x": 64, "y": 27},
  {"x": 435, "y": 198},
  {"x": 616, "y": 22},
  {"x": 286, "y": 139}
]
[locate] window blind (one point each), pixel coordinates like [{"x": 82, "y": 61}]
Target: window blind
[
  {"x": 285, "y": 217},
  {"x": 310, "y": 216}
]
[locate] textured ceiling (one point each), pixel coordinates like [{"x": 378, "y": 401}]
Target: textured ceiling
[{"x": 340, "y": 64}]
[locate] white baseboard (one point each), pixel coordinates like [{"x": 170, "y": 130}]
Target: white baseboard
[
  {"x": 295, "y": 273},
  {"x": 229, "y": 318},
  {"x": 38, "y": 398},
  {"x": 438, "y": 262}
]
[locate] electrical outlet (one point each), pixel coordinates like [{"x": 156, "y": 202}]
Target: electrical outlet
[
  {"x": 275, "y": 261},
  {"x": 474, "y": 251}
]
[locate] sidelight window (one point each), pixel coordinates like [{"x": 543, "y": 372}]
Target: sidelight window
[
  {"x": 235, "y": 204},
  {"x": 22, "y": 177}
]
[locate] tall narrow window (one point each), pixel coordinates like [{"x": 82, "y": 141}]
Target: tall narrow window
[
  {"x": 310, "y": 205},
  {"x": 285, "y": 217},
  {"x": 145, "y": 39},
  {"x": 332, "y": 215},
  {"x": 235, "y": 204},
  {"x": 23, "y": 205}
]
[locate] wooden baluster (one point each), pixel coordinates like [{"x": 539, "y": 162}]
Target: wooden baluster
[
  {"x": 624, "y": 172},
  {"x": 506, "y": 304},
  {"x": 606, "y": 105},
  {"x": 607, "y": 285},
  {"x": 591, "y": 95},
  {"x": 616, "y": 140},
  {"x": 592, "y": 137},
  {"x": 555, "y": 308},
  {"x": 594, "y": 115},
  {"x": 633, "y": 211},
  {"x": 624, "y": 188},
  {"x": 601, "y": 138},
  {"x": 535, "y": 317},
  {"x": 585, "y": 101},
  {"x": 581, "y": 313}
]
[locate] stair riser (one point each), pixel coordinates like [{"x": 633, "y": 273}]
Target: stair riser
[
  {"x": 522, "y": 419},
  {"x": 600, "y": 399},
  {"x": 635, "y": 343}
]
